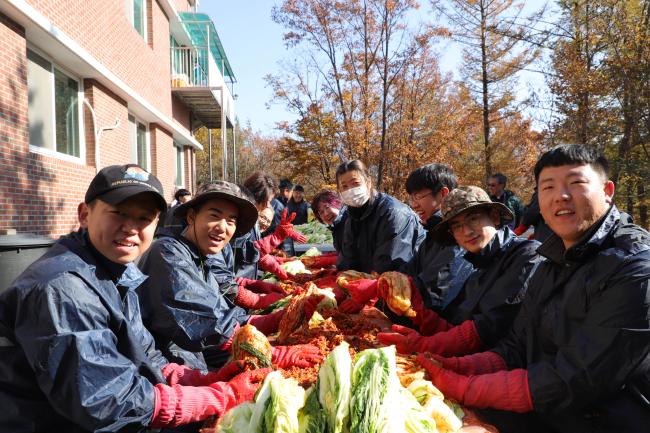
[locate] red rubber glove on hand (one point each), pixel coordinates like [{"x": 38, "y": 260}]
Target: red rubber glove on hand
[
  {"x": 520, "y": 230},
  {"x": 247, "y": 299},
  {"x": 321, "y": 261},
  {"x": 504, "y": 390},
  {"x": 459, "y": 340},
  {"x": 285, "y": 229},
  {"x": 267, "y": 323},
  {"x": 428, "y": 321},
  {"x": 259, "y": 286},
  {"x": 478, "y": 363},
  {"x": 350, "y": 306},
  {"x": 302, "y": 355},
  {"x": 176, "y": 374},
  {"x": 362, "y": 291},
  {"x": 268, "y": 263},
  {"x": 179, "y": 405}
]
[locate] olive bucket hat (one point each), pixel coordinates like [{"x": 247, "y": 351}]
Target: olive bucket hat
[
  {"x": 226, "y": 191},
  {"x": 461, "y": 200}
]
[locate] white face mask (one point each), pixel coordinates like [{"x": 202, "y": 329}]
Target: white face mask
[{"x": 355, "y": 197}]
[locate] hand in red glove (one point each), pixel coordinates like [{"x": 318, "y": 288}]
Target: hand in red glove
[
  {"x": 302, "y": 355},
  {"x": 259, "y": 286},
  {"x": 285, "y": 229},
  {"x": 268, "y": 263},
  {"x": 311, "y": 305},
  {"x": 459, "y": 340},
  {"x": 321, "y": 261},
  {"x": 247, "y": 299},
  {"x": 478, "y": 363},
  {"x": 428, "y": 321},
  {"x": 179, "y": 405},
  {"x": 406, "y": 340},
  {"x": 176, "y": 374},
  {"x": 267, "y": 323},
  {"x": 350, "y": 306},
  {"x": 504, "y": 390},
  {"x": 520, "y": 229},
  {"x": 362, "y": 291}
]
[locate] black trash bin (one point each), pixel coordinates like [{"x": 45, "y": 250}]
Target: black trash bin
[{"x": 19, "y": 251}]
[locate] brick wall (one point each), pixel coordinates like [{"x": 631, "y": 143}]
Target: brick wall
[{"x": 102, "y": 28}]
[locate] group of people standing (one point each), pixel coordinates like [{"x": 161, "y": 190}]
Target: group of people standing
[{"x": 112, "y": 331}]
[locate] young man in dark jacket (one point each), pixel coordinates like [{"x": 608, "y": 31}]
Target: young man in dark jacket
[
  {"x": 577, "y": 358},
  {"x": 74, "y": 354},
  {"x": 183, "y": 305},
  {"x": 298, "y": 205},
  {"x": 499, "y": 194}
]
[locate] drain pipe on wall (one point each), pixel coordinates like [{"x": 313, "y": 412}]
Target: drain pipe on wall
[{"x": 98, "y": 132}]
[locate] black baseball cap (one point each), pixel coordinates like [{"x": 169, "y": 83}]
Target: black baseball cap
[
  {"x": 227, "y": 191},
  {"x": 116, "y": 183}
]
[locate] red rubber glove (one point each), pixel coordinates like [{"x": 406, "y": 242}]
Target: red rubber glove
[
  {"x": 268, "y": 263},
  {"x": 259, "y": 286},
  {"x": 520, "y": 230},
  {"x": 362, "y": 291},
  {"x": 350, "y": 306},
  {"x": 503, "y": 390},
  {"x": 478, "y": 363},
  {"x": 301, "y": 355},
  {"x": 176, "y": 374},
  {"x": 179, "y": 405},
  {"x": 428, "y": 321},
  {"x": 285, "y": 229},
  {"x": 459, "y": 340},
  {"x": 321, "y": 261},
  {"x": 267, "y": 323},
  {"x": 247, "y": 299}
]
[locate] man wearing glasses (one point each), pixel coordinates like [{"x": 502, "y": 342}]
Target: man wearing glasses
[{"x": 499, "y": 194}]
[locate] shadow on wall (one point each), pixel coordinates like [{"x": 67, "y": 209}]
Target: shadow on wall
[{"x": 25, "y": 203}]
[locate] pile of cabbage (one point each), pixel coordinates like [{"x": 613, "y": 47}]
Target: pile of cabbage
[
  {"x": 316, "y": 233},
  {"x": 364, "y": 397}
]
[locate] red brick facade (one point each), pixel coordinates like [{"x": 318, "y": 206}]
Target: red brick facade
[{"x": 40, "y": 192}]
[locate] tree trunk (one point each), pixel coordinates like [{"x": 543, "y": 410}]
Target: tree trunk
[{"x": 486, "y": 103}]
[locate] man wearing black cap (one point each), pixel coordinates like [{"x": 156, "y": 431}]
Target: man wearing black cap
[
  {"x": 183, "y": 305},
  {"x": 74, "y": 354},
  {"x": 298, "y": 205}
]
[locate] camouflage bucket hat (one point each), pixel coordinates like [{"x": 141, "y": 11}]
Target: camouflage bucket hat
[
  {"x": 226, "y": 191},
  {"x": 461, "y": 200}
]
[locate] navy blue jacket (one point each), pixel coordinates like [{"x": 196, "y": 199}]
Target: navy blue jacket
[
  {"x": 439, "y": 271},
  {"x": 74, "y": 355},
  {"x": 301, "y": 210},
  {"x": 246, "y": 256},
  {"x": 181, "y": 302},
  {"x": 338, "y": 228},
  {"x": 583, "y": 332},
  {"x": 380, "y": 236},
  {"x": 492, "y": 295}
]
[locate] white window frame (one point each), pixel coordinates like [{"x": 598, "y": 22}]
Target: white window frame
[
  {"x": 81, "y": 159},
  {"x": 130, "y": 11},
  {"x": 178, "y": 147},
  {"x": 133, "y": 140}
]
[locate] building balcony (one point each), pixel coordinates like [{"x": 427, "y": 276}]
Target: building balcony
[{"x": 201, "y": 74}]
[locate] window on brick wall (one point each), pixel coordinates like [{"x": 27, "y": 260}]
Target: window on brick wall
[
  {"x": 54, "y": 107},
  {"x": 179, "y": 172},
  {"x": 139, "y": 142},
  {"x": 137, "y": 13}
]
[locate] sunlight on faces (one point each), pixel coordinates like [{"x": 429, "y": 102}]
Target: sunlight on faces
[
  {"x": 124, "y": 232},
  {"x": 424, "y": 203},
  {"x": 474, "y": 229},
  {"x": 212, "y": 226},
  {"x": 572, "y": 198},
  {"x": 327, "y": 213}
]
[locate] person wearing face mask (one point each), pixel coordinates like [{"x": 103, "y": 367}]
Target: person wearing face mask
[
  {"x": 490, "y": 298},
  {"x": 381, "y": 233},
  {"x": 183, "y": 305}
]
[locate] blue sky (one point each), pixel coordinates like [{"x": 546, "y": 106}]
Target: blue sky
[{"x": 253, "y": 44}]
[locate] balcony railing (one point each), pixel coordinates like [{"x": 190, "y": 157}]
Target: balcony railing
[{"x": 190, "y": 67}]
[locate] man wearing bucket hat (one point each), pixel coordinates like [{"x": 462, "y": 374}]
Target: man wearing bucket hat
[
  {"x": 577, "y": 358},
  {"x": 490, "y": 298},
  {"x": 182, "y": 303},
  {"x": 74, "y": 354}
]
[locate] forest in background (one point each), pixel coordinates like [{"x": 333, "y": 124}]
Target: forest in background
[{"x": 366, "y": 82}]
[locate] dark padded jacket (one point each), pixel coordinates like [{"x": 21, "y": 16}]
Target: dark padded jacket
[
  {"x": 583, "y": 332},
  {"x": 381, "y": 236},
  {"x": 181, "y": 302},
  {"x": 246, "y": 256},
  {"x": 74, "y": 355},
  {"x": 301, "y": 209},
  {"x": 338, "y": 228},
  {"x": 492, "y": 295},
  {"x": 438, "y": 271}
]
